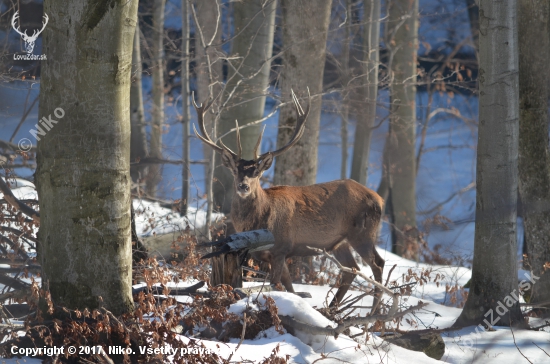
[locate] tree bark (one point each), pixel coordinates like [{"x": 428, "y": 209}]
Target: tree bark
[
  {"x": 138, "y": 143},
  {"x": 83, "y": 178},
  {"x": 185, "y": 112},
  {"x": 248, "y": 80},
  {"x": 534, "y": 156},
  {"x": 402, "y": 151},
  {"x": 369, "y": 91},
  {"x": 305, "y": 28},
  {"x": 157, "y": 113},
  {"x": 494, "y": 270}
]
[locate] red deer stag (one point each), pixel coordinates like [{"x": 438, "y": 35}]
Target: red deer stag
[{"x": 330, "y": 216}]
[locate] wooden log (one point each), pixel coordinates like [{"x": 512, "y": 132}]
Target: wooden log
[{"x": 251, "y": 241}]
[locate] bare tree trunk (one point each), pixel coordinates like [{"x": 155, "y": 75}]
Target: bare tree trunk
[
  {"x": 83, "y": 178},
  {"x": 494, "y": 271},
  {"x": 157, "y": 113},
  {"x": 247, "y": 83},
  {"x": 402, "y": 151},
  {"x": 346, "y": 78},
  {"x": 534, "y": 156},
  {"x": 208, "y": 67},
  {"x": 366, "y": 118},
  {"x": 305, "y": 27},
  {"x": 473, "y": 14},
  {"x": 185, "y": 114},
  {"x": 138, "y": 143}
]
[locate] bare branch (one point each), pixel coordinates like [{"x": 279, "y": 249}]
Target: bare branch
[{"x": 17, "y": 204}]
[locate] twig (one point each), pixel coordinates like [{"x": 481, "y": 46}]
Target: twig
[
  {"x": 517, "y": 347},
  {"x": 24, "y": 117},
  {"x": 541, "y": 348},
  {"x": 353, "y": 271},
  {"x": 242, "y": 337},
  {"x": 389, "y": 274},
  {"x": 14, "y": 202}
]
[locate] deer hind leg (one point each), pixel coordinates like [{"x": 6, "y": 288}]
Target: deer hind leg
[
  {"x": 344, "y": 256},
  {"x": 367, "y": 251}
]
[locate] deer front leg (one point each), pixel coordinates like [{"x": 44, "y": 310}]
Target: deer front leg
[{"x": 280, "y": 273}]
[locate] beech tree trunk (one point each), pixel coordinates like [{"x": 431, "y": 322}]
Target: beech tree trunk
[
  {"x": 83, "y": 174},
  {"x": 369, "y": 91},
  {"x": 157, "y": 113},
  {"x": 494, "y": 270},
  {"x": 305, "y": 27},
  {"x": 402, "y": 148},
  {"x": 534, "y": 156},
  {"x": 138, "y": 144},
  {"x": 248, "y": 80}
]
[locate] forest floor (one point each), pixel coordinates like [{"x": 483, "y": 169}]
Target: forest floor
[{"x": 440, "y": 286}]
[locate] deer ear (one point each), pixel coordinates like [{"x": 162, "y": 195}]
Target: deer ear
[
  {"x": 265, "y": 163},
  {"x": 229, "y": 161}
]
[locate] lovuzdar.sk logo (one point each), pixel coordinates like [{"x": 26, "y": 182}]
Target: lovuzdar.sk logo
[{"x": 29, "y": 40}]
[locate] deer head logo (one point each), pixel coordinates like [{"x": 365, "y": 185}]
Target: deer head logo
[{"x": 29, "y": 40}]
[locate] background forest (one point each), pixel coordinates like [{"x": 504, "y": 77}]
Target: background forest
[{"x": 395, "y": 91}]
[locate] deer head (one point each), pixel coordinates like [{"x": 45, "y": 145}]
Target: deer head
[
  {"x": 29, "y": 40},
  {"x": 247, "y": 173}
]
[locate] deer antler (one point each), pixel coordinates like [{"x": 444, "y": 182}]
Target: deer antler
[
  {"x": 204, "y": 137},
  {"x": 13, "y": 19},
  {"x": 298, "y": 130},
  {"x": 35, "y": 34}
]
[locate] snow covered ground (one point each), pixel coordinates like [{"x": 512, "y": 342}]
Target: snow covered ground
[{"x": 469, "y": 345}]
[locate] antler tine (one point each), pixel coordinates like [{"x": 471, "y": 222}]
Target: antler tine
[
  {"x": 200, "y": 118},
  {"x": 13, "y": 20},
  {"x": 258, "y": 144},
  {"x": 300, "y": 125},
  {"x": 239, "y": 146}
]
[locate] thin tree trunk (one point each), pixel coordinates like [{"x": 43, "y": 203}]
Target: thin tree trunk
[
  {"x": 404, "y": 14},
  {"x": 346, "y": 76},
  {"x": 83, "y": 178},
  {"x": 494, "y": 270},
  {"x": 185, "y": 113},
  {"x": 366, "y": 118},
  {"x": 208, "y": 70},
  {"x": 248, "y": 80},
  {"x": 305, "y": 27},
  {"x": 473, "y": 15},
  {"x": 157, "y": 113},
  {"x": 138, "y": 143},
  {"x": 534, "y": 156}
]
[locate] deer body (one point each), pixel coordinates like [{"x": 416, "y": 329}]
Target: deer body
[
  {"x": 330, "y": 216},
  {"x": 333, "y": 216}
]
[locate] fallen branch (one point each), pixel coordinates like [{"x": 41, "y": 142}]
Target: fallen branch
[
  {"x": 13, "y": 282},
  {"x": 158, "y": 290},
  {"x": 17, "y": 204},
  {"x": 245, "y": 292},
  {"x": 352, "y": 321}
]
